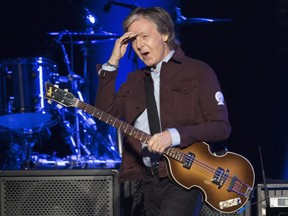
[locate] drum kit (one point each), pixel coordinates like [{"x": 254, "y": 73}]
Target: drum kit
[{"x": 28, "y": 118}]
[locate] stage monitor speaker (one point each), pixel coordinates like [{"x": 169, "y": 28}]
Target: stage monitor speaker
[
  {"x": 278, "y": 199},
  {"x": 60, "y": 192},
  {"x": 133, "y": 200}
]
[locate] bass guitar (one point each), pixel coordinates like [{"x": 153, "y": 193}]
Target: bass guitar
[{"x": 227, "y": 181}]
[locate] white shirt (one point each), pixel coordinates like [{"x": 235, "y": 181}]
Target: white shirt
[{"x": 142, "y": 121}]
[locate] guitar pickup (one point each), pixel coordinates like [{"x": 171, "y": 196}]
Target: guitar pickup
[
  {"x": 220, "y": 176},
  {"x": 188, "y": 160}
]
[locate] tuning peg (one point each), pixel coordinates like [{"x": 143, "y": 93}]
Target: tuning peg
[
  {"x": 57, "y": 86},
  {"x": 59, "y": 106},
  {"x": 66, "y": 90},
  {"x": 49, "y": 101}
]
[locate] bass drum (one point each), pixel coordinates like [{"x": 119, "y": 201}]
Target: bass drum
[{"x": 22, "y": 90}]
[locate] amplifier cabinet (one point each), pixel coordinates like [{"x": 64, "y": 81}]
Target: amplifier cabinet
[
  {"x": 278, "y": 199},
  {"x": 133, "y": 200},
  {"x": 60, "y": 192}
]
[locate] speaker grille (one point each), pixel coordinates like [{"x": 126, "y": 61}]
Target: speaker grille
[{"x": 57, "y": 195}]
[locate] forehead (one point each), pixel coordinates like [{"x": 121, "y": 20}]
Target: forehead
[{"x": 140, "y": 25}]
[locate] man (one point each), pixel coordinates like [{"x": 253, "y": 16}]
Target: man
[{"x": 189, "y": 103}]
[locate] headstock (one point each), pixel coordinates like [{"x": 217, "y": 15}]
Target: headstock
[{"x": 63, "y": 97}]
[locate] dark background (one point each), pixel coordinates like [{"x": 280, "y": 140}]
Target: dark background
[{"x": 249, "y": 55}]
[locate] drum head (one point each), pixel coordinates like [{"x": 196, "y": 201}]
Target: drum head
[
  {"x": 26, "y": 120},
  {"x": 22, "y": 92}
]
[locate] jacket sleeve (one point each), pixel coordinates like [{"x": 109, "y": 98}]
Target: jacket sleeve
[
  {"x": 106, "y": 97},
  {"x": 212, "y": 108},
  {"x": 127, "y": 102}
]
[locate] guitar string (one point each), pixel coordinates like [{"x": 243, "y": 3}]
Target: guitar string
[
  {"x": 236, "y": 187},
  {"x": 211, "y": 171},
  {"x": 206, "y": 167},
  {"x": 203, "y": 167},
  {"x": 237, "y": 184}
]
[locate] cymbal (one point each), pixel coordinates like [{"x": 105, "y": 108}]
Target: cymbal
[
  {"x": 197, "y": 21},
  {"x": 81, "y": 37}
]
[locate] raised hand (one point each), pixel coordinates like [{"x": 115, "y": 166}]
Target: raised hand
[{"x": 120, "y": 47}]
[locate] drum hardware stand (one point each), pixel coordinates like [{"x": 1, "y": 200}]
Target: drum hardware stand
[
  {"x": 85, "y": 51},
  {"x": 28, "y": 139},
  {"x": 21, "y": 145},
  {"x": 82, "y": 132},
  {"x": 73, "y": 79},
  {"x": 69, "y": 137},
  {"x": 76, "y": 80}
]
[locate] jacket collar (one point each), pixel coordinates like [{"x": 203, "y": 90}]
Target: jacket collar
[{"x": 177, "y": 57}]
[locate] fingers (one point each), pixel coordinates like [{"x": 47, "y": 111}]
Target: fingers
[
  {"x": 120, "y": 47},
  {"x": 124, "y": 39},
  {"x": 152, "y": 144},
  {"x": 159, "y": 142}
]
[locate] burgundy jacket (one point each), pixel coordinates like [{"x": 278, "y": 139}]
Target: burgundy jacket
[{"x": 188, "y": 102}]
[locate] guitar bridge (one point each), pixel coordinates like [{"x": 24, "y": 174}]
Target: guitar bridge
[
  {"x": 188, "y": 160},
  {"x": 239, "y": 187}
]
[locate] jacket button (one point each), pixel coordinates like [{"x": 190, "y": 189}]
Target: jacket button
[
  {"x": 103, "y": 74},
  {"x": 137, "y": 107}
]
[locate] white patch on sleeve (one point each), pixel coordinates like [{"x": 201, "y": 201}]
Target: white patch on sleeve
[{"x": 219, "y": 98}]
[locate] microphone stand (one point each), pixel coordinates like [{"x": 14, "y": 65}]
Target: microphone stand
[
  {"x": 122, "y": 4},
  {"x": 266, "y": 192},
  {"x": 85, "y": 50}
]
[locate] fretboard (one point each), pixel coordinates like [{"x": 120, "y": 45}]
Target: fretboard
[
  {"x": 115, "y": 122},
  {"x": 143, "y": 137}
]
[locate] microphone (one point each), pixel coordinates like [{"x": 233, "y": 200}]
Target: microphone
[
  {"x": 108, "y": 6},
  {"x": 60, "y": 36},
  {"x": 56, "y": 42},
  {"x": 179, "y": 16}
]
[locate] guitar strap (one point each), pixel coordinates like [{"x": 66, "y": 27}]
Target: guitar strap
[{"x": 154, "y": 123}]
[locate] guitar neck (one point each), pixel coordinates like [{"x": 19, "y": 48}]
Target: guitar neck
[
  {"x": 143, "y": 137},
  {"x": 67, "y": 99},
  {"x": 115, "y": 122}
]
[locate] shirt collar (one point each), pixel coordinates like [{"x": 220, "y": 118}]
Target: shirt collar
[{"x": 166, "y": 59}]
